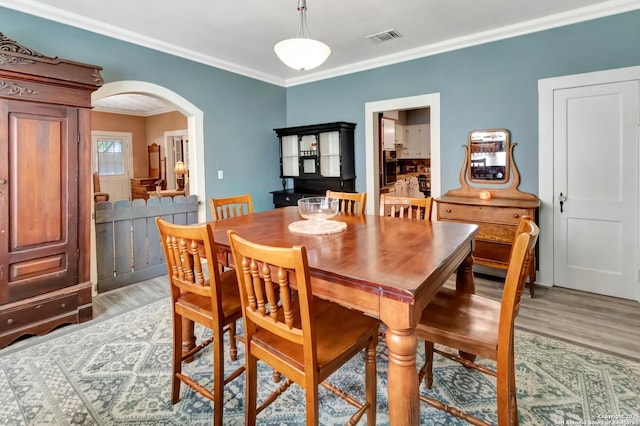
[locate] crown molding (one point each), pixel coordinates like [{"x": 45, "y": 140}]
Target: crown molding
[{"x": 612, "y": 7}]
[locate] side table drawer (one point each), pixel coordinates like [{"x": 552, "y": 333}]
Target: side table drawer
[
  {"x": 475, "y": 214},
  {"x": 281, "y": 199}
]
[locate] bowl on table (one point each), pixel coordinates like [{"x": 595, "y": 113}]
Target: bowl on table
[{"x": 318, "y": 208}]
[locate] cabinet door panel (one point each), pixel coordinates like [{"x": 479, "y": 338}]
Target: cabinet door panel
[{"x": 41, "y": 210}]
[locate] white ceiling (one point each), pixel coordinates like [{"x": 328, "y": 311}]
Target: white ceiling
[{"x": 239, "y": 35}]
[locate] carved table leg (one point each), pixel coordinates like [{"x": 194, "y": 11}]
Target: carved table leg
[{"x": 404, "y": 408}]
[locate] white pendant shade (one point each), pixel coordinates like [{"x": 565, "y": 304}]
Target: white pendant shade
[{"x": 302, "y": 53}]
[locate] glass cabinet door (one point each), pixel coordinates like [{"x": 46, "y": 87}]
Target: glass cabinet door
[
  {"x": 330, "y": 154},
  {"x": 290, "y": 156},
  {"x": 309, "y": 153}
]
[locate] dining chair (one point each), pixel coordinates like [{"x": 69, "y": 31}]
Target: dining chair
[
  {"x": 98, "y": 195},
  {"x": 477, "y": 326},
  {"x": 296, "y": 333},
  {"x": 223, "y": 208},
  {"x": 406, "y": 207},
  {"x": 203, "y": 294},
  {"x": 350, "y": 202}
]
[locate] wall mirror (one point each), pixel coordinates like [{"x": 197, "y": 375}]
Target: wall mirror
[{"x": 488, "y": 156}]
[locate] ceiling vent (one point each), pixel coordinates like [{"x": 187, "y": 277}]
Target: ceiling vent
[{"x": 384, "y": 36}]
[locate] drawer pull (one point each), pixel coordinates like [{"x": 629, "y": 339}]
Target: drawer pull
[
  {"x": 448, "y": 210},
  {"x": 64, "y": 305},
  {"x": 516, "y": 215},
  {"x": 10, "y": 321},
  {"x": 287, "y": 198}
]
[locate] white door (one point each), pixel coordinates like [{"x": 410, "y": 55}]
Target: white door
[
  {"x": 111, "y": 156},
  {"x": 596, "y": 161}
]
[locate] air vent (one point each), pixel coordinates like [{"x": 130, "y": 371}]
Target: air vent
[{"x": 384, "y": 36}]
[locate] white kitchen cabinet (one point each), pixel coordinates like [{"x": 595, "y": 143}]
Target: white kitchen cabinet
[
  {"x": 388, "y": 133},
  {"x": 417, "y": 143},
  {"x": 400, "y": 139}
]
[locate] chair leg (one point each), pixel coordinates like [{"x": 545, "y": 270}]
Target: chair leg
[
  {"x": 311, "y": 397},
  {"x": 371, "y": 381},
  {"x": 177, "y": 358},
  {"x": 506, "y": 392},
  {"x": 427, "y": 369},
  {"x": 251, "y": 383},
  {"x": 233, "y": 347},
  {"x": 218, "y": 377}
]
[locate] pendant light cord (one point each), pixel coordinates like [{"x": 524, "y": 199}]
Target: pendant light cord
[{"x": 303, "y": 29}]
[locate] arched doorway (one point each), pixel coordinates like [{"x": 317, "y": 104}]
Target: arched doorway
[{"x": 195, "y": 133}]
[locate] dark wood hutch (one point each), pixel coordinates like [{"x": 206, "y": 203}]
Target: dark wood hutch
[
  {"x": 45, "y": 190},
  {"x": 317, "y": 157}
]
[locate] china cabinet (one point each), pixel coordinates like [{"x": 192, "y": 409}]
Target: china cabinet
[
  {"x": 316, "y": 157},
  {"x": 488, "y": 198},
  {"x": 45, "y": 191}
]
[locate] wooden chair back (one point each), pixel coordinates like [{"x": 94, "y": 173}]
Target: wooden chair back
[
  {"x": 468, "y": 322},
  {"x": 200, "y": 293},
  {"x": 264, "y": 277},
  {"x": 350, "y": 202},
  {"x": 98, "y": 195},
  {"x": 520, "y": 259},
  {"x": 531, "y": 264},
  {"x": 223, "y": 208},
  {"x": 406, "y": 207},
  {"x": 294, "y": 332}
]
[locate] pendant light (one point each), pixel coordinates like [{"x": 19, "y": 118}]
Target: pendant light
[{"x": 302, "y": 53}]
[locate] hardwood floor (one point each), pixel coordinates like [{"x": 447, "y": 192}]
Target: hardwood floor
[{"x": 604, "y": 323}]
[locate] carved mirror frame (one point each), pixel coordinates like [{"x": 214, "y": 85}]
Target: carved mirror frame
[{"x": 487, "y": 189}]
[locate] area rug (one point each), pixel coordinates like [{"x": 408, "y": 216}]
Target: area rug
[{"x": 117, "y": 371}]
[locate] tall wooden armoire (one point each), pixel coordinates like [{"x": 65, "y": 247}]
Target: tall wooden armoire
[{"x": 45, "y": 190}]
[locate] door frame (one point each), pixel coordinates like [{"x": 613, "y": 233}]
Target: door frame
[
  {"x": 128, "y": 154},
  {"x": 372, "y": 138},
  {"x": 169, "y": 149},
  {"x": 195, "y": 133},
  {"x": 546, "y": 88}
]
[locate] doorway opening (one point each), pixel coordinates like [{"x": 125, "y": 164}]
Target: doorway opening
[
  {"x": 194, "y": 132},
  {"x": 372, "y": 141}
]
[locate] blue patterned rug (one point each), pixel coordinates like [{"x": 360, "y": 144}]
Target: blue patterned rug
[{"x": 117, "y": 371}]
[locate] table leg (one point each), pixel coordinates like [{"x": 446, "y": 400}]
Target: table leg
[
  {"x": 464, "y": 276},
  {"x": 466, "y": 283},
  {"x": 404, "y": 408},
  {"x": 188, "y": 338}
]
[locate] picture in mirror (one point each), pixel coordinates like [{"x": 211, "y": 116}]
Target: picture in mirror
[{"x": 488, "y": 156}]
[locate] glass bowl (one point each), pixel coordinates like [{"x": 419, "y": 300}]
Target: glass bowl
[{"x": 318, "y": 208}]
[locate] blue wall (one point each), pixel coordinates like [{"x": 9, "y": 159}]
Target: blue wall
[
  {"x": 501, "y": 93},
  {"x": 240, "y": 112}
]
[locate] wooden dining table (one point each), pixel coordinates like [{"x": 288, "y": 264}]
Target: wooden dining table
[{"x": 387, "y": 267}]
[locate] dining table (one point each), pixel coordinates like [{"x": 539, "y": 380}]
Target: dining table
[{"x": 386, "y": 267}]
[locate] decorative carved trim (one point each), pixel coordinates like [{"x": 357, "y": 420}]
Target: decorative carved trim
[
  {"x": 97, "y": 77},
  {"x": 24, "y": 54},
  {"x": 13, "y": 89}
]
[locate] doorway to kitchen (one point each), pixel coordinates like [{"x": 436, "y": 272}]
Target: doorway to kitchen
[{"x": 372, "y": 141}]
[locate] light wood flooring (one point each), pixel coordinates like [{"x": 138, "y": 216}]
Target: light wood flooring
[{"x": 604, "y": 323}]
